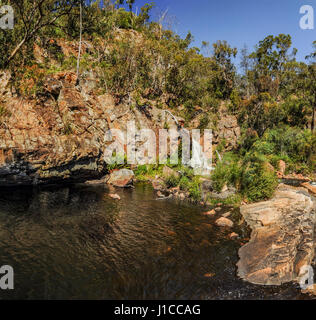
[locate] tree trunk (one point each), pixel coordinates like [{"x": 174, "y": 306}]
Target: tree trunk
[{"x": 15, "y": 51}]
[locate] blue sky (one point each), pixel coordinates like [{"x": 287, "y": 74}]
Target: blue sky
[{"x": 239, "y": 21}]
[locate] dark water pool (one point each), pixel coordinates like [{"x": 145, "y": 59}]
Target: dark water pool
[{"x": 76, "y": 242}]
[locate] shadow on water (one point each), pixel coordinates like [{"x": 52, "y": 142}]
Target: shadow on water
[{"x": 76, "y": 242}]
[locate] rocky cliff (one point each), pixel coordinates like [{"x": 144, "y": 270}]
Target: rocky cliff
[{"x": 59, "y": 135}]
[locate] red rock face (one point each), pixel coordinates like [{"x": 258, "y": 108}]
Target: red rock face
[
  {"x": 51, "y": 140},
  {"x": 59, "y": 136}
]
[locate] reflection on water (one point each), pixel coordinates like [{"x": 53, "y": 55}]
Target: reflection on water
[{"x": 76, "y": 242}]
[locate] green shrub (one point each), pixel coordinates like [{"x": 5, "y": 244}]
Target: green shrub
[
  {"x": 259, "y": 185},
  {"x": 220, "y": 177},
  {"x": 194, "y": 190},
  {"x": 250, "y": 175},
  {"x": 171, "y": 181},
  {"x": 226, "y": 172},
  {"x": 291, "y": 144},
  {"x": 184, "y": 183},
  {"x": 258, "y": 182},
  {"x": 235, "y": 101},
  {"x": 141, "y": 170},
  {"x": 28, "y": 80},
  {"x": 204, "y": 121}
]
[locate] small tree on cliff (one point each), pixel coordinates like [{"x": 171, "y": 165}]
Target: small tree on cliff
[{"x": 32, "y": 17}]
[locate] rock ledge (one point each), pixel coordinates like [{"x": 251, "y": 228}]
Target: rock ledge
[{"x": 282, "y": 238}]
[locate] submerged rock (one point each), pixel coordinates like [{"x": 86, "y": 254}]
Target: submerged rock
[
  {"x": 115, "y": 196},
  {"x": 103, "y": 180},
  {"x": 282, "y": 238}
]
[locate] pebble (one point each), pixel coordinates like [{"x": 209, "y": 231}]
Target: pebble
[{"x": 209, "y": 213}]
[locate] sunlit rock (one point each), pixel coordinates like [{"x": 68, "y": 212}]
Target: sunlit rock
[{"x": 282, "y": 238}]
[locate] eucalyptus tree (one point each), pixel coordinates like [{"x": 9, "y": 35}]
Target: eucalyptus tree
[
  {"x": 223, "y": 54},
  {"x": 245, "y": 65},
  {"x": 270, "y": 58},
  {"x": 32, "y": 16}
]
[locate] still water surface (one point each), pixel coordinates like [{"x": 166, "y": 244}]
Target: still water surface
[{"x": 75, "y": 242}]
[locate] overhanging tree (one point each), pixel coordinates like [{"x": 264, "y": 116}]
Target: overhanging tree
[{"x": 33, "y": 16}]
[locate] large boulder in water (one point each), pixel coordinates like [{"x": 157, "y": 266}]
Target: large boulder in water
[
  {"x": 282, "y": 238},
  {"x": 122, "y": 178}
]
